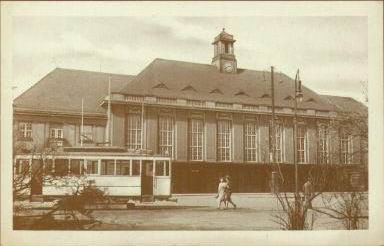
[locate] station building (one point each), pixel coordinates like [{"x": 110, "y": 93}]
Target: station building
[{"x": 211, "y": 119}]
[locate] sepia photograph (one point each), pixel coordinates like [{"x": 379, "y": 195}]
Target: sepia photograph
[{"x": 189, "y": 123}]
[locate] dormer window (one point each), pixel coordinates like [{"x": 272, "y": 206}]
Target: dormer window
[
  {"x": 288, "y": 98},
  {"x": 188, "y": 88},
  {"x": 310, "y": 100},
  {"x": 216, "y": 91},
  {"x": 241, "y": 93},
  {"x": 265, "y": 96},
  {"x": 160, "y": 86}
]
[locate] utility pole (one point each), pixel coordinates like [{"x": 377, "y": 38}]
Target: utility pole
[
  {"x": 298, "y": 96},
  {"x": 272, "y": 137}
]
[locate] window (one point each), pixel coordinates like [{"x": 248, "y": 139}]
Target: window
[
  {"x": 61, "y": 167},
  {"x": 323, "y": 144},
  {"x": 301, "y": 144},
  {"x": 77, "y": 166},
  {"x": 22, "y": 166},
  {"x": 56, "y": 133},
  {"x": 92, "y": 167},
  {"x": 166, "y": 135},
  {"x": 279, "y": 143},
  {"x": 25, "y": 129},
  {"x": 196, "y": 129},
  {"x": 134, "y": 129},
  {"x": 251, "y": 141},
  {"x": 226, "y": 48},
  {"x": 107, "y": 167},
  {"x": 162, "y": 168},
  {"x": 135, "y": 168},
  {"x": 224, "y": 140},
  {"x": 346, "y": 147},
  {"x": 48, "y": 167},
  {"x": 87, "y": 134},
  {"x": 123, "y": 167}
]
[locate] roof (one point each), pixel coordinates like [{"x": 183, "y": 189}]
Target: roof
[
  {"x": 224, "y": 36},
  {"x": 347, "y": 104},
  {"x": 193, "y": 81},
  {"x": 63, "y": 90}
]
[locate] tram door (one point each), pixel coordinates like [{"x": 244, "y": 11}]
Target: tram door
[
  {"x": 147, "y": 178},
  {"x": 37, "y": 178}
]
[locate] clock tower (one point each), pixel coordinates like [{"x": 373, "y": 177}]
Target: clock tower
[{"x": 224, "y": 58}]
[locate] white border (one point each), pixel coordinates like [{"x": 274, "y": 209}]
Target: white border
[{"x": 373, "y": 236}]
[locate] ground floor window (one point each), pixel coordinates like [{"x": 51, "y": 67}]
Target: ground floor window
[
  {"x": 251, "y": 135},
  {"x": 346, "y": 147},
  {"x": 224, "y": 140},
  {"x": 302, "y": 144},
  {"x": 323, "y": 144}
]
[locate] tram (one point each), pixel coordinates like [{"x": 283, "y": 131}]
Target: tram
[{"x": 117, "y": 172}]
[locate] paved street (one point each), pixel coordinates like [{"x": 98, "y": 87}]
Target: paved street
[{"x": 199, "y": 212}]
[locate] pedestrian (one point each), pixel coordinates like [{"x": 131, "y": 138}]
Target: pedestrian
[
  {"x": 229, "y": 192},
  {"x": 308, "y": 192},
  {"x": 221, "y": 192}
]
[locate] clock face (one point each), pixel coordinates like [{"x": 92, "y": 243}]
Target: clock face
[{"x": 228, "y": 67}]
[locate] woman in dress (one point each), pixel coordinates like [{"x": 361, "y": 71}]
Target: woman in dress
[{"x": 221, "y": 193}]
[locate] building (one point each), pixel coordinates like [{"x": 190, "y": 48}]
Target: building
[{"x": 211, "y": 119}]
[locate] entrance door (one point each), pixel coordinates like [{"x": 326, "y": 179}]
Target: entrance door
[
  {"x": 37, "y": 178},
  {"x": 147, "y": 178}
]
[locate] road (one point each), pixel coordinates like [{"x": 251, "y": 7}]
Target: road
[{"x": 199, "y": 212}]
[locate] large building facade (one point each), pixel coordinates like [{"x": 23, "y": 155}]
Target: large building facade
[{"x": 211, "y": 119}]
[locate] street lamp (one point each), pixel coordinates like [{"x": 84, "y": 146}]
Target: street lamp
[{"x": 298, "y": 97}]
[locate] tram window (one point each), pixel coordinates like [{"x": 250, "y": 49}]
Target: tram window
[
  {"x": 122, "y": 167},
  {"x": 48, "y": 167},
  {"x": 22, "y": 166},
  {"x": 61, "y": 167},
  {"x": 135, "y": 167},
  {"x": 107, "y": 167},
  {"x": 159, "y": 168},
  {"x": 76, "y": 166},
  {"x": 92, "y": 167},
  {"x": 166, "y": 167}
]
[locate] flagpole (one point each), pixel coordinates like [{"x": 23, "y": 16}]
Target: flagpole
[
  {"x": 108, "y": 130},
  {"x": 82, "y": 122}
]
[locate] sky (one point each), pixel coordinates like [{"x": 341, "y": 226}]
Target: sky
[{"x": 331, "y": 52}]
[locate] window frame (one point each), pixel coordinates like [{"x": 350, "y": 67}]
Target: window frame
[
  {"x": 134, "y": 131},
  {"x": 25, "y": 128},
  {"x": 302, "y": 144},
  {"x": 279, "y": 145},
  {"x": 323, "y": 144},
  {"x": 58, "y": 133},
  {"x": 166, "y": 135},
  {"x": 251, "y": 141},
  {"x": 224, "y": 140},
  {"x": 346, "y": 155},
  {"x": 196, "y": 131}
]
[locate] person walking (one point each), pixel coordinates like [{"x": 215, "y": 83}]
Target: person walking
[
  {"x": 229, "y": 192},
  {"x": 221, "y": 192},
  {"x": 308, "y": 192}
]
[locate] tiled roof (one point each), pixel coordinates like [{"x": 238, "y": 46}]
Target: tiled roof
[
  {"x": 174, "y": 76},
  {"x": 347, "y": 104},
  {"x": 63, "y": 89}
]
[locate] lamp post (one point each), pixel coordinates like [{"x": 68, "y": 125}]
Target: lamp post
[{"x": 298, "y": 97}]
